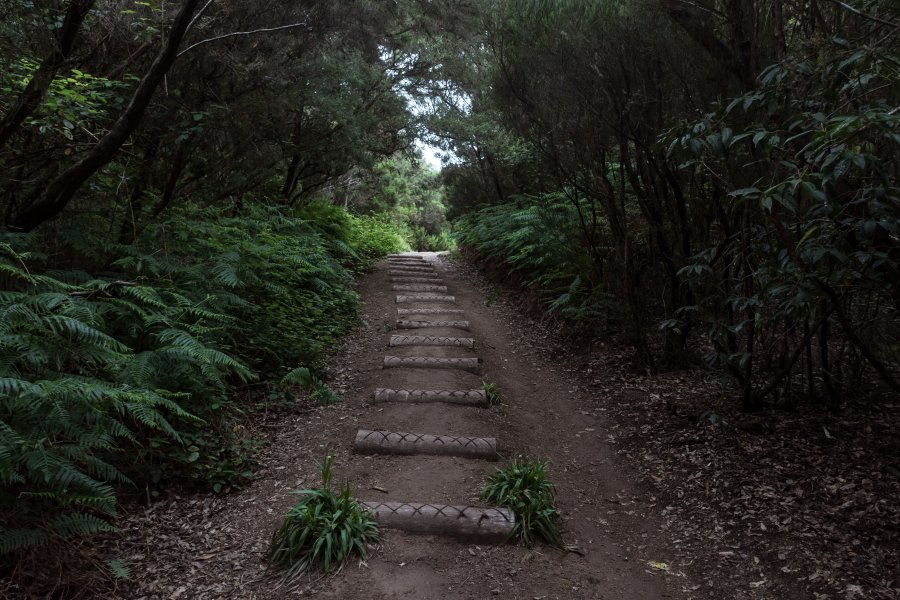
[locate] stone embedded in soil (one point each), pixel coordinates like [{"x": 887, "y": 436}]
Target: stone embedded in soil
[
  {"x": 468, "y": 397},
  {"x": 405, "y": 312},
  {"x": 425, "y": 298},
  {"x": 431, "y": 340},
  {"x": 406, "y": 324},
  {"x": 484, "y": 525},
  {"x": 429, "y": 362},
  {"x": 390, "y": 442},
  {"x": 419, "y": 288}
]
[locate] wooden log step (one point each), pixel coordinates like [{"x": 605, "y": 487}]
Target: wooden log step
[
  {"x": 406, "y": 298},
  {"x": 405, "y": 255},
  {"x": 431, "y": 340},
  {"x": 409, "y": 287},
  {"x": 467, "y": 397},
  {"x": 425, "y": 280},
  {"x": 413, "y": 268},
  {"x": 390, "y": 442},
  {"x": 484, "y": 525},
  {"x": 404, "y": 324},
  {"x": 407, "y": 261},
  {"x": 431, "y": 362},
  {"x": 405, "y": 312},
  {"x": 404, "y": 273}
]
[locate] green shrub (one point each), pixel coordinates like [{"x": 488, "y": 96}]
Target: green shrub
[
  {"x": 375, "y": 236},
  {"x": 322, "y": 530},
  {"x": 538, "y": 240},
  {"x": 523, "y": 487}
]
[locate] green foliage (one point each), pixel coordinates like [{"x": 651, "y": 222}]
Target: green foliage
[
  {"x": 492, "y": 393},
  {"x": 540, "y": 243},
  {"x": 76, "y": 390},
  {"x": 812, "y": 180},
  {"x": 318, "y": 389},
  {"x": 375, "y": 236},
  {"x": 132, "y": 376},
  {"x": 323, "y": 530},
  {"x": 76, "y": 100},
  {"x": 523, "y": 487}
]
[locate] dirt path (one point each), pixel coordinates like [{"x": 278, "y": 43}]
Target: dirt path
[{"x": 211, "y": 547}]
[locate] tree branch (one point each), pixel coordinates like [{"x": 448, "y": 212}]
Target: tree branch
[
  {"x": 240, "y": 33},
  {"x": 860, "y": 13}
]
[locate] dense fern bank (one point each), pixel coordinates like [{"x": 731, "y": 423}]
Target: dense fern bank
[{"x": 135, "y": 373}]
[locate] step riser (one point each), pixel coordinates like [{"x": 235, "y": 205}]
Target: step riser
[
  {"x": 405, "y": 312},
  {"x": 406, "y": 298},
  {"x": 389, "y": 442},
  {"x": 428, "y": 340},
  {"x": 427, "y": 362},
  {"x": 463, "y": 397},
  {"x": 484, "y": 525},
  {"x": 412, "y": 269},
  {"x": 419, "y": 288},
  {"x": 464, "y": 325},
  {"x": 418, "y": 280}
]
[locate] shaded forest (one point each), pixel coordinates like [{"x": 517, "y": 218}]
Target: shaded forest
[{"x": 188, "y": 189}]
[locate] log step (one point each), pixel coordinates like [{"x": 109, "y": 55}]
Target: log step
[
  {"x": 466, "y": 397},
  {"x": 407, "y": 261},
  {"x": 403, "y": 324},
  {"x": 405, "y": 312},
  {"x": 431, "y": 340},
  {"x": 403, "y": 273},
  {"x": 390, "y": 442},
  {"x": 431, "y": 362},
  {"x": 419, "y": 288},
  {"x": 485, "y": 525},
  {"x": 404, "y": 257},
  {"x": 425, "y": 280},
  {"x": 412, "y": 268},
  {"x": 425, "y": 298}
]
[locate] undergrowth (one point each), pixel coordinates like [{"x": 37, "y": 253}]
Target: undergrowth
[
  {"x": 523, "y": 487},
  {"x": 539, "y": 242},
  {"x": 323, "y": 530},
  {"x": 126, "y": 367}
]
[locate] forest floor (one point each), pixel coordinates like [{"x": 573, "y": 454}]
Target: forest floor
[{"x": 657, "y": 502}]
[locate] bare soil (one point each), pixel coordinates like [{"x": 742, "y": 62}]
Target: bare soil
[{"x": 643, "y": 489}]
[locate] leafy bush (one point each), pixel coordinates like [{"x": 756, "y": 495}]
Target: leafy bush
[
  {"x": 375, "y": 236},
  {"x": 523, "y": 487},
  {"x": 322, "y": 530}
]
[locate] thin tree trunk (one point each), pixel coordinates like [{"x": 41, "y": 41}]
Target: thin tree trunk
[
  {"x": 63, "y": 188},
  {"x": 36, "y": 91}
]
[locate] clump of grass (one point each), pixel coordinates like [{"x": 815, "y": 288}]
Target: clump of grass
[
  {"x": 492, "y": 393},
  {"x": 322, "y": 530},
  {"x": 318, "y": 389},
  {"x": 523, "y": 487}
]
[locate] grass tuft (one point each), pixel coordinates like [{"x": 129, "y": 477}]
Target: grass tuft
[
  {"x": 492, "y": 393},
  {"x": 523, "y": 487},
  {"x": 322, "y": 530}
]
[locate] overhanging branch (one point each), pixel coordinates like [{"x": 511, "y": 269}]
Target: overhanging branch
[{"x": 241, "y": 33}]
